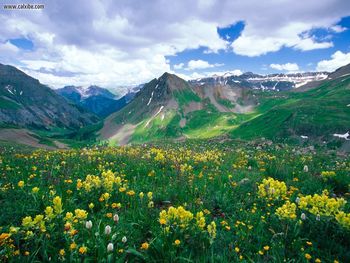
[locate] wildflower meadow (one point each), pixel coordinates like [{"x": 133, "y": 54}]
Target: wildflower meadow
[{"x": 190, "y": 202}]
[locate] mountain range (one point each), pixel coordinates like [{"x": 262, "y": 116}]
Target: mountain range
[
  {"x": 97, "y": 100},
  {"x": 229, "y": 106},
  {"x": 278, "y": 82},
  {"x": 169, "y": 107}
]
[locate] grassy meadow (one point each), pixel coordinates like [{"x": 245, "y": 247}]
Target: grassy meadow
[{"x": 191, "y": 202}]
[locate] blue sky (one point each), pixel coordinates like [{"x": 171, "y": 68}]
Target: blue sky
[
  {"x": 124, "y": 43},
  {"x": 306, "y": 60}
]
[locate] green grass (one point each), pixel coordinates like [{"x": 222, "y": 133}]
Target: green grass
[
  {"x": 184, "y": 97},
  {"x": 157, "y": 128},
  {"x": 7, "y": 104},
  {"x": 227, "y": 103},
  {"x": 317, "y": 113},
  {"x": 218, "y": 179}
]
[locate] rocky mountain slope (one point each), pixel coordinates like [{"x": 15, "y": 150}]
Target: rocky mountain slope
[{"x": 25, "y": 102}]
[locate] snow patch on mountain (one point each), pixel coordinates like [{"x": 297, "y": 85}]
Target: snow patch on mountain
[
  {"x": 9, "y": 89},
  {"x": 343, "y": 136},
  {"x": 155, "y": 115},
  {"x": 150, "y": 99}
]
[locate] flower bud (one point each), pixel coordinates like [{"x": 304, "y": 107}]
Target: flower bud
[
  {"x": 88, "y": 224},
  {"x": 124, "y": 239},
  {"x": 110, "y": 247},
  {"x": 108, "y": 230},
  {"x": 116, "y": 218}
]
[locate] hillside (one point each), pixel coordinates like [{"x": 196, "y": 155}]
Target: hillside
[
  {"x": 171, "y": 108},
  {"x": 314, "y": 114},
  {"x": 25, "y": 102}
]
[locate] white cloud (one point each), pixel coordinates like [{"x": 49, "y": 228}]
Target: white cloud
[
  {"x": 201, "y": 64},
  {"x": 179, "y": 66},
  {"x": 286, "y": 67},
  {"x": 338, "y": 29},
  {"x": 124, "y": 42},
  {"x": 7, "y": 47},
  {"x": 254, "y": 42},
  {"x": 338, "y": 59}
]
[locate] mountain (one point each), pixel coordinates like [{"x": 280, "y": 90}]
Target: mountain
[
  {"x": 95, "y": 99},
  {"x": 171, "y": 108},
  {"x": 321, "y": 113},
  {"x": 78, "y": 94},
  {"x": 25, "y": 102},
  {"x": 278, "y": 82},
  {"x": 340, "y": 72}
]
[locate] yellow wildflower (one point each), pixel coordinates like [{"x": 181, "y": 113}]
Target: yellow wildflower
[
  {"x": 35, "y": 190},
  {"x": 80, "y": 214},
  {"x": 73, "y": 246},
  {"x": 82, "y": 250},
  {"x": 57, "y": 204},
  {"x": 271, "y": 188},
  {"x": 287, "y": 211},
  {"x": 27, "y": 222},
  {"x": 212, "y": 229},
  {"x": 20, "y": 184},
  {"x": 144, "y": 246}
]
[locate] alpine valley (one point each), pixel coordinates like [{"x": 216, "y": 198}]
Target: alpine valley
[{"x": 298, "y": 108}]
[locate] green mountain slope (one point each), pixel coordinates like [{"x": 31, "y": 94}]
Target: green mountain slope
[
  {"x": 170, "y": 108},
  {"x": 317, "y": 113}
]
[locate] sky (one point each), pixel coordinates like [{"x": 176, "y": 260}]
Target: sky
[{"x": 115, "y": 44}]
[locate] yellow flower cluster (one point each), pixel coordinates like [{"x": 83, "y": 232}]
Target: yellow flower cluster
[
  {"x": 159, "y": 155},
  {"x": 185, "y": 168},
  {"x": 343, "y": 219},
  {"x": 272, "y": 189},
  {"x": 321, "y": 204},
  {"x": 182, "y": 155},
  {"x": 107, "y": 181},
  {"x": 241, "y": 161},
  {"x": 200, "y": 220},
  {"x": 212, "y": 230},
  {"x": 91, "y": 182},
  {"x": 80, "y": 214},
  {"x": 37, "y": 223},
  {"x": 287, "y": 211},
  {"x": 327, "y": 174},
  {"x": 175, "y": 216}
]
